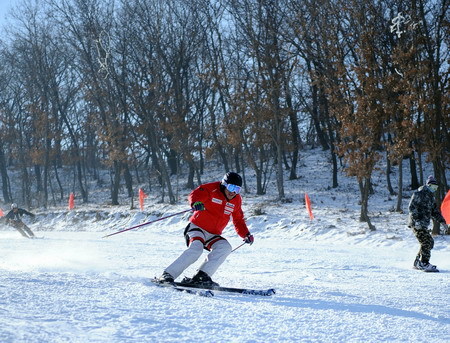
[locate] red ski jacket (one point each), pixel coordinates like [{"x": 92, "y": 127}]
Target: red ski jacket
[{"x": 218, "y": 210}]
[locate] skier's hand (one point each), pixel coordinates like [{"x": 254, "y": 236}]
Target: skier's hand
[
  {"x": 198, "y": 206},
  {"x": 249, "y": 239}
]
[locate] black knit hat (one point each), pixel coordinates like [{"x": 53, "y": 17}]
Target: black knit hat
[
  {"x": 232, "y": 178},
  {"x": 431, "y": 180}
]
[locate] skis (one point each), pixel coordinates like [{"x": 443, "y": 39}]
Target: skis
[
  {"x": 245, "y": 291},
  {"x": 195, "y": 288},
  {"x": 201, "y": 292}
]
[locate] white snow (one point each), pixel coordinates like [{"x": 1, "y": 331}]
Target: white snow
[{"x": 335, "y": 280}]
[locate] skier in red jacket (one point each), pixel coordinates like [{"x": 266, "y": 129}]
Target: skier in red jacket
[{"x": 213, "y": 203}]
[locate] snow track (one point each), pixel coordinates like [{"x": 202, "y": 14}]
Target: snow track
[{"x": 76, "y": 287}]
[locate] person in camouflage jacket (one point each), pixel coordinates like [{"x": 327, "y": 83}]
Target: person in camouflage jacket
[{"x": 422, "y": 207}]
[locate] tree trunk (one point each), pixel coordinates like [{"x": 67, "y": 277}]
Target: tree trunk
[
  {"x": 190, "y": 180},
  {"x": 115, "y": 183},
  {"x": 61, "y": 190},
  {"x": 26, "y": 193},
  {"x": 364, "y": 187},
  {"x": 128, "y": 179},
  {"x": 295, "y": 134},
  {"x": 413, "y": 171},
  {"x": 315, "y": 118},
  {"x": 4, "y": 175},
  {"x": 388, "y": 175},
  {"x": 400, "y": 186},
  {"x": 172, "y": 158},
  {"x": 335, "y": 167}
]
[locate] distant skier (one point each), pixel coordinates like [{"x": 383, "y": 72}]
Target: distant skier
[
  {"x": 214, "y": 203},
  {"x": 422, "y": 208},
  {"x": 13, "y": 218}
]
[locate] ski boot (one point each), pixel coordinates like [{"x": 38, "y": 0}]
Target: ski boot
[
  {"x": 166, "y": 278},
  {"x": 425, "y": 266},
  {"x": 200, "y": 279}
]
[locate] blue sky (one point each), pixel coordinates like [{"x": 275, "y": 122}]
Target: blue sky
[{"x": 5, "y": 5}]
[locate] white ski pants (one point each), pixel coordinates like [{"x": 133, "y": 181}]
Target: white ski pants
[{"x": 200, "y": 239}]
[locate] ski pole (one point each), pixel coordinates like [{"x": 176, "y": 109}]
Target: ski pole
[
  {"x": 153, "y": 221},
  {"x": 238, "y": 247}
]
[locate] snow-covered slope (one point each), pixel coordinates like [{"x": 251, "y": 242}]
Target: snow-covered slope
[{"x": 335, "y": 280}]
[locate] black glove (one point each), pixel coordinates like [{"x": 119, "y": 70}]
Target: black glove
[
  {"x": 198, "y": 206},
  {"x": 446, "y": 229},
  {"x": 249, "y": 239}
]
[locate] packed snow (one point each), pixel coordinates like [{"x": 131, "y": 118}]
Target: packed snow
[{"x": 335, "y": 280}]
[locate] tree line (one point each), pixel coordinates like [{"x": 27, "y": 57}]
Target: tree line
[{"x": 148, "y": 89}]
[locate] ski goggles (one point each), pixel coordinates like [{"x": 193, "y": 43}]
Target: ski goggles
[{"x": 232, "y": 188}]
